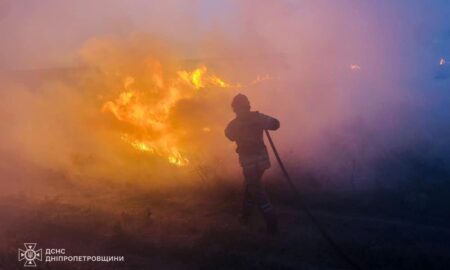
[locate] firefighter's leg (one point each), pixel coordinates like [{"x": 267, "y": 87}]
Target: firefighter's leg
[
  {"x": 258, "y": 195},
  {"x": 248, "y": 205}
]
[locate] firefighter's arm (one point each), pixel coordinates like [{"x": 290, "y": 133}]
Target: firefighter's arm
[
  {"x": 230, "y": 133},
  {"x": 269, "y": 122}
]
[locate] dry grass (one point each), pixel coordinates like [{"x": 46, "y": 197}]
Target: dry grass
[{"x": 197, "y": 228}]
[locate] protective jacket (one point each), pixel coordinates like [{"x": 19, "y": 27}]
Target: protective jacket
[{"x": 247, "y": 131}]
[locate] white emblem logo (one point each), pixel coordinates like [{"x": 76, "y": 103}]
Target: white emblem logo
[{"x": 30, "y": 254}]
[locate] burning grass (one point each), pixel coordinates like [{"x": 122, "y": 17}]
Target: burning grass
[{"x": 135, "y": 111}]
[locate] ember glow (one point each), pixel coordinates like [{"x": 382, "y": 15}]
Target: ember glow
[{"x": 355, "y": 67}]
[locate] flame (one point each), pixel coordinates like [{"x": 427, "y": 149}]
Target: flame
[
  {"x": 198, "y": 78},
  {"x": 148, "y": 109},
  {"x": 138, "y": 145},
  {"x": 442, "y": 61},
  {"x": 355, "y": 67},
  {"x": 176, "y": 158}
]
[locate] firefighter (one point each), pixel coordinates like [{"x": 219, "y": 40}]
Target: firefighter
[{"x": 247, "y": 131}]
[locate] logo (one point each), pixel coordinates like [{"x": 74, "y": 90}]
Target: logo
[{"x": 30, "y": 254}]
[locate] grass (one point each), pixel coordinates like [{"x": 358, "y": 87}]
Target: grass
[{"x": 196, "y": 227}]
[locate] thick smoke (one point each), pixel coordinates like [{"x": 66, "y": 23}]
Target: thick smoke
[{"x": 359, "y": 87}]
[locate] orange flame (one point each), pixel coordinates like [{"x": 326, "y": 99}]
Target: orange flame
[
  {"x": 132, "y": 107},
  {"x": 198, "y": 78}
]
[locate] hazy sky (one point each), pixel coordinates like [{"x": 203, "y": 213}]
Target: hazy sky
[{"x": 41, "y": 33}]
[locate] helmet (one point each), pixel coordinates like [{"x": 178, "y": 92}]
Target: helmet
[{"x": 240, "y": 101}]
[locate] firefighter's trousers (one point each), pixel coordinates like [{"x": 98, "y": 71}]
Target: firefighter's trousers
[{"x": 255, "y": 194}]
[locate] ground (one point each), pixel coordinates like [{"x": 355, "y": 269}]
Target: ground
[{"x": 198, "y": 228}]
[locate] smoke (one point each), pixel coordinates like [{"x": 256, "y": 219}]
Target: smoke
[
  {"x": 357, "y": 86},
  {"x": 363, "y": 88}
]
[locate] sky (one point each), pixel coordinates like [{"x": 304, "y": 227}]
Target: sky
[{"x": 42, "y": 33}]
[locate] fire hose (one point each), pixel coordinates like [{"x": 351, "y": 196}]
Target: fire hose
[{"x": 339, "y": 251}]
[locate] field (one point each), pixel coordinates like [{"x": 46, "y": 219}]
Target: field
[{"x": 192, "y": 227}]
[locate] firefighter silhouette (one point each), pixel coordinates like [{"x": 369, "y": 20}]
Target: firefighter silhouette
[{"x": 247, "y": 131}]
